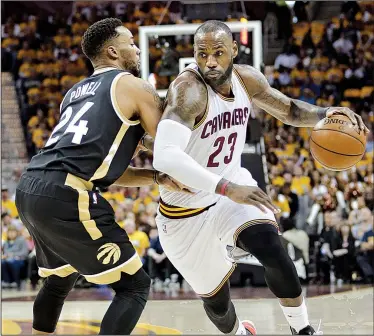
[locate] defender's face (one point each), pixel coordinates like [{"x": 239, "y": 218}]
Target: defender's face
[
  {"x": 127, "y": 53},
  {"x": 214, "y": 53}
]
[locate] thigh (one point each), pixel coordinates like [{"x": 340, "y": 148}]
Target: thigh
[
  {"x": 78, "y": 234},
  {"x": 233, "y": 218},
  {"x": 195, "y": 250}
]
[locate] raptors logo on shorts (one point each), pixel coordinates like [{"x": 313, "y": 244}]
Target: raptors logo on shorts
[{"x": 109, "y": 253}]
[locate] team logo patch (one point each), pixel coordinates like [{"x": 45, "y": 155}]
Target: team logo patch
[{"x": 109, "y": 253}]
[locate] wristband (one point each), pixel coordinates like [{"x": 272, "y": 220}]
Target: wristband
[{"x": 223, "y": 188}]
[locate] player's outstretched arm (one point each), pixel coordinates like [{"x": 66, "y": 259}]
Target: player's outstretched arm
[
  {"x": 186, "y": 100},
  {"x": 290, "y": 111},
  {"x": 139, "y": 177}
]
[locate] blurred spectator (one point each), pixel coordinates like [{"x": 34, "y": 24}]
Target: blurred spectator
[
  {"x": 14, "y": 257},
  {"x": 366, "y": 258},
  {"x": 359, "y": 218},
  {"x": 158, "y": 265},
  {"x": 8, "y": 205},
  {"x": 328, "y": 241},
  {"x": 139, "y": 239},
  {"x": 292, "y": 199},
  {"x": 298, "y": 238},
  {"x": 344, "y": 255},
  {"x": 343, "y": 45},
  {"x": 288, "y": 59}
]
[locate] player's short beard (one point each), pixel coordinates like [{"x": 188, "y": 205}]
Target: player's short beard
[
  {"x": 130, "y": 65},
  {"x": 221, "y": 80}
]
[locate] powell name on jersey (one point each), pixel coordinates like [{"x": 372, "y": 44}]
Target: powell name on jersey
[{"x": 92, "y": 140}]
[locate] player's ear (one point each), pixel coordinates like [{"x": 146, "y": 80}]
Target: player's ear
[
  {"x": 112, "y": 52},
  {"x": 234, "y": 49}
]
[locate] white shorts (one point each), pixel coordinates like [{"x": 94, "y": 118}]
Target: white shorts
[{"x": 201, "y": 246}]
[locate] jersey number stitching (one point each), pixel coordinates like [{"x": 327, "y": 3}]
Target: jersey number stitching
[
  {"x": 79, "y": 130},
  {"x": 220, "y": 142}
]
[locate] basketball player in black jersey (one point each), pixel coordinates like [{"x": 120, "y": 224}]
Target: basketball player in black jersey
[{"x": 103, "y": 118}]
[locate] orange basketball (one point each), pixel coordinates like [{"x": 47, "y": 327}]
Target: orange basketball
[{"x": 336, "y": 143}]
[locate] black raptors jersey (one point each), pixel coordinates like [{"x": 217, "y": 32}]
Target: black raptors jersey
[{"x": 92, "y": 140}]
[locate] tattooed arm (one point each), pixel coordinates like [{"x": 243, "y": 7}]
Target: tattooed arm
[
  {"x": 138, "y": 100},
  {"x": 290, "y": 111},
  {"x": 186, "y": 101}
]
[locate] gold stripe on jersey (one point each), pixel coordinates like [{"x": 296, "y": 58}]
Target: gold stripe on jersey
[
  {"x": 83, "y": 207},
  {"x": 174, "y": 212},
  {"x": 242, "y": 83},
  {"x": 104, "y": 167},
  {"x": 214, "y": 292},
  {"x": 113, "y": 98}
]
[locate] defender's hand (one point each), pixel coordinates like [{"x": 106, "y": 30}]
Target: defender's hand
[
  {"x": 170, "y": 184},
  {"x": 250, "y": 195},
  {"x": 355, "y": 118}
]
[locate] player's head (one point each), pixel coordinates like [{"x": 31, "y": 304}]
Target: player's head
[
  {"x": 214, "y": 51},
  {"x": 108, "y": 42}
]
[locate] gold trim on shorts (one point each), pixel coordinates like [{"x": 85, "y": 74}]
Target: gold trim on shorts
[
  {"x": 253, "y": 222},
  {"x": 236, "y": 234},
  {"x": 174, "y": 212},
  {"x": 130, "y": 266},
  {"x": 214, "y": 292},
  {"x": 62, "y": 271}
]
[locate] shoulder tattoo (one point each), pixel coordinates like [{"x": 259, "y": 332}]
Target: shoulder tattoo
[{"x": 149, "y": 88}]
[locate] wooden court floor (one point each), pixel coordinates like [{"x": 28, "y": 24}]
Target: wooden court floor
[{"x": 340, "y": 311}]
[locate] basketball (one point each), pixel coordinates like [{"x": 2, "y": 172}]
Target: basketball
[{"x": 336, "y": 143}]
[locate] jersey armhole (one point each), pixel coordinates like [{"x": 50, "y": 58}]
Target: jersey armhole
[{"x": 115, "y": 105}]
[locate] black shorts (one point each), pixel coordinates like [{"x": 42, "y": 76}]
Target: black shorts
[{"x": 73, "y": 228}]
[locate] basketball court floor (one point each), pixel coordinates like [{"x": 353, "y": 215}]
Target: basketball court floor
[{"x": 345, "y": 310}]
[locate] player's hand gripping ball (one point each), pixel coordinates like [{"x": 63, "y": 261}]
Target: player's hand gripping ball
[{"x": 338, "y": 141}]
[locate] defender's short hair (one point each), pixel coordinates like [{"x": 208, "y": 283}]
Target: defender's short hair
[
  {"x": 213, "y": 26},
  {"x": 98, "y": 34}
]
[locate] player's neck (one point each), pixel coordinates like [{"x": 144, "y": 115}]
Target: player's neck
[
  {"x": 101, "y": 66},
  {"x": 225, "y": 88}
]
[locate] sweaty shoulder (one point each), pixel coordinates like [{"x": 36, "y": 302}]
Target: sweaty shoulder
[
  {"x": 253, "y": 79},
  {"x": 187, "y": 99},
  {"x": 134, "y": 95}
]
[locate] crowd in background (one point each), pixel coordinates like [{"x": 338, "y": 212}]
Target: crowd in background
[{"x": 327, "y": 215}]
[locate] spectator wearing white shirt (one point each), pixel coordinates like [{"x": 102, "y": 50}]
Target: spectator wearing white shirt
[
  {"x": 287, "y": 59},
  {"x": 343, "y": 45}
]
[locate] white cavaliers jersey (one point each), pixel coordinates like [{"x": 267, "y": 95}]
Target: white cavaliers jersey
[{"x": 217, "y": 140}]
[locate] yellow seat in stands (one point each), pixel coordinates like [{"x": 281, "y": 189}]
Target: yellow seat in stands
[
  {"x": 366, "y": 91},
  {"x": 352, "y": 93}
]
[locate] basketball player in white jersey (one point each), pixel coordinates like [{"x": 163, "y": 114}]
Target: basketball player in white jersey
[{"x": 199, "y": 142}]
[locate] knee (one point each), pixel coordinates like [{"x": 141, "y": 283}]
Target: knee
[
  {"x": 137, "y": 284},
  {"x": 58, "y": 286},
  {"x": 218, "y": 304}
]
